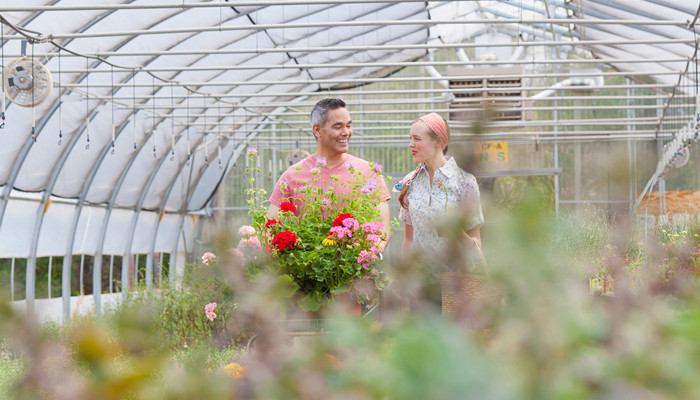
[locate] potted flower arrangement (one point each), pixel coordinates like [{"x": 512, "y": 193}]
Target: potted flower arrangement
[{"x": 328, "y": 249}]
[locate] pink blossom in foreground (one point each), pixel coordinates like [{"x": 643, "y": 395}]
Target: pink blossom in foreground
[
  {"x": 369, "y": 186},
  {"x": 365, "y": 258},
  {"x": 377, "y": 168},
  {"x": 341, "y": 231},
  {"x": 372, "y": 227},
  {"x": 374, "y": 238},
  {"x": 252, "y": 243},
  {"x": 246, "y": 230},
  {"x": 210, "y": 311},
  {"x": 235, "y": 253},
  {"x": 208, "y": 258},
  {"x": 351, "y": 223},
  {"x": 321, "y": 161}
]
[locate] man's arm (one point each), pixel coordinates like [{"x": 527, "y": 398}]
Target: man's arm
[{"x": 385, "y": 219}]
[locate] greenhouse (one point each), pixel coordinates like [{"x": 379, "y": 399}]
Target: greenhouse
[{"x": 140, "y": 139}]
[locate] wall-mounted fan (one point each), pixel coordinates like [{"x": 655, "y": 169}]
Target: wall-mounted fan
[
  {"x": 26, "y": 82},
  {"x": 295, "y": 156}
]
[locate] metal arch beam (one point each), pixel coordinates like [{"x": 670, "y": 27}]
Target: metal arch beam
[
  {"x": 41, "y": 211},
  {"x": 161, "y": 209},
  {"x": 110, "y": 207},
  {"x": 139, "y": 205},
  {"x": 642, "y": 28},
  {"x": 68, "y": 257}
]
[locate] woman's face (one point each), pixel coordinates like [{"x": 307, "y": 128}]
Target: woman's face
[{"x": 423, "y": 145}]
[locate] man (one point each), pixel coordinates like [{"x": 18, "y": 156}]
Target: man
[{"x": 332, "y": 128}]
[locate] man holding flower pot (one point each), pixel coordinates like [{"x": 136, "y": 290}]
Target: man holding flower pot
[{"x": 330, "y": 169}]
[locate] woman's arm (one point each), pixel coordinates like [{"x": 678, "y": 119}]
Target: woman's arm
[
  {"x": 407, "y": 240},
  {"x": 474, "y": 235}
]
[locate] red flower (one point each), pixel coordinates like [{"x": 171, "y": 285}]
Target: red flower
[
  {"x": 284, "y": 240},
  {"x": 287, "y": 206},
  {"x": 271, "y": 222},
  {"x": 339, "y": 221}
]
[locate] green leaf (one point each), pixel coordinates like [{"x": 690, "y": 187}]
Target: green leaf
[
  {"x": 341, "y": 289},
  {"x": 310, "y": 302},
  {"x": 286, "y": 286}
]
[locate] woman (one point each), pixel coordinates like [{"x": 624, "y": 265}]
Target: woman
[{"x": 437, "y": 189}]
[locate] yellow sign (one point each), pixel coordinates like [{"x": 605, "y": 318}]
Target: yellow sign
[{"x": 493, "y": 152}]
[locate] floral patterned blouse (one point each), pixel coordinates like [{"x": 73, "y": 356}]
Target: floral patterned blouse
[{"x": 453, "y": 188}]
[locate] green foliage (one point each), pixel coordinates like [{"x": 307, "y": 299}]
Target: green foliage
[
  {"x": 178, "y": 310},
  {"x": 12, "y": 369}
]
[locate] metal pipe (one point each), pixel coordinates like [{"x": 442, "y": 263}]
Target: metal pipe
[
  {"x": 183, "y": 5},
  {"x": 371, "y": 80},
  {"x": 382, "y": 23}
]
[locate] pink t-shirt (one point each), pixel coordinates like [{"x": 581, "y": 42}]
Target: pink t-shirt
[{"x": 300, "y": 174}]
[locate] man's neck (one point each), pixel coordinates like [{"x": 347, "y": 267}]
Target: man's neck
[{"x": 333, "y": 159}]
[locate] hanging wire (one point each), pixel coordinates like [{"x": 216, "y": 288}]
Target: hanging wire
[
  {"x": 697, "y": 95},
  {"x": 33, "y": 106},
  {"x": 60, "y": 102},
  {"x": 2, "y": 41},
  {"x": 153, "y": 101},
  {"x": 113, "y": 127},
  {"x": 218, "y": 135},
  {"x": 87, "y": 101},
  {"x": 233, "y": 134},
  {"x": 189, "y": 149},
  {"x": 133, "y": 99},
  {"x": 204, "y": 133},
  {"x": 172, "y": 123}
]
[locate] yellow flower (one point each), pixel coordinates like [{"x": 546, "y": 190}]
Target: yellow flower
[
  {"x": 234, "y": 370},
  {"x": 328, "y": 242}
]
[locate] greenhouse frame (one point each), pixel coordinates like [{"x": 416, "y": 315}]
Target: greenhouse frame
[{"x": 123, "y": 151}]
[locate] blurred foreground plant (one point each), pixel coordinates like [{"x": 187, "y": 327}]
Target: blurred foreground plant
[{"x": 549, "y": 339}]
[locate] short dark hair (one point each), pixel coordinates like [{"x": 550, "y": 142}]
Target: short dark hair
[{"x": 319, "y": 114}]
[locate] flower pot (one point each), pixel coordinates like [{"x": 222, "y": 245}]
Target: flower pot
[{"x": 350, "y": 304}]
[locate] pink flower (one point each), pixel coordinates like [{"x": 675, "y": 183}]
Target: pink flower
[
  {"x": 210, "y": 311},
  {"x": 246, "y": 230},
  {"x": 251, "y": 151},
  {"x": 350, "y": 166},
  {"x": 321, "y": 161},
  {"x": 235, "y": 253},
  {"x": 208, "y": 258},
  {"x": 341, "y": 231},
  {"x": 254, "y": 242},
  {"x": 351, "y": 223},
  {"x": 315, "y": 171},
  {"x": 365, "y": 258},
  {"x": 372, "y": 227},
  {"x": 377, "y": 168},
  {"x": 370, "y": 185},
  {"x": 374, "y": 238}
]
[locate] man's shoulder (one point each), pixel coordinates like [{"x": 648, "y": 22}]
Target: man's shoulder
[
  {"x": 295, "y": 168},
  {"x": 357, "y": 161}
]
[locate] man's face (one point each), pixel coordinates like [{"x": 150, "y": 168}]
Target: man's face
[{"x": 334, "y": 136}]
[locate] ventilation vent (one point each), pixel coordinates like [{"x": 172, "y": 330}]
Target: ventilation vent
[{"x": 486, "y": 90}]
